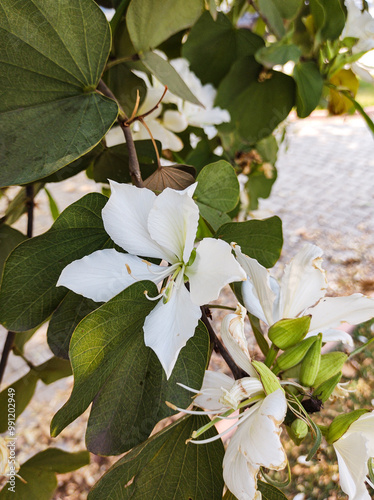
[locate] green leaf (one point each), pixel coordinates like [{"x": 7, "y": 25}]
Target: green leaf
[
  {"x": 9, "y": 239},
  {"x": 329, "y": 18},
  {"x": 260, "y": 239},
  {"x": 53, "y": 369},
  {"x": 257, "y": 103},
  {"x": 150, "y": 22},
  {"x": 259, "y": 184},
  {"x": 202, "y": 155},
  {"x": 113, "y": 163},
  {"x": 166, "y": 467},
  {"x": 270, "y": 492},
  {"x": 277, "y": 54},
  {"x": 309, "y": 85},
  {"x": 28, "y": 294},
  {"x": 72, "y": 309},
  {"x": 39, "y": 474},
  {"x": 55, "y": 212},
  {"x": 217, "y": 192},
  {"x": 124, "y": 84},
  {"x": 50, "y": 69},
  {"x": 168, "y": 76},
  {"x": 213, "y": 46},
  {"x": 124, "y": 378},
  {"x": 288, "y": 8},
  {"x": 341, "y": 424},
  {"x": 270, "y": 11},
  {"x": 24, "y": 391}
]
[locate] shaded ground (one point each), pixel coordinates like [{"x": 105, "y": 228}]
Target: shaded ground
[{"x": 324, "y": 194}]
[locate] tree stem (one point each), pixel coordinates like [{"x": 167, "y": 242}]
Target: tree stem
[
  {"x": 220, "y": 349},
  {"x": 30, "y": 223},
  {"x": 134, "y": 167}
]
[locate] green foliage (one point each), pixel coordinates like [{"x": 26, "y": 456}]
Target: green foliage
[
  {"x": 49, "y": 78},
  {"x": 214, "y": 45},
  {"x": 217, "y": 193},
  {"x": 28, "y": 292},
  {"x": 260, "y": 239},
  {"x": 329, "y": 18},
  {"x": 257, "y": 102},
  {"x": 39, "y": 474},
  {"x": 9, "y": 239},
  {"x": 268, "y": 491},
  {"x": 309, "y": 85},
  {"x": 124, "y": 379},
  {"x": 165, "y": 467},
  {"x": 277, "y": 53}
]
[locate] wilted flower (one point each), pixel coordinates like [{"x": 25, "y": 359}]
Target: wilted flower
[
  {"x": 301, "y": 292},
  {"x": 161, "y": 227}
]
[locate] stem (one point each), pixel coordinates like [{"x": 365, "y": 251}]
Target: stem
[
  {"x": 120, "y": 60},
  {"x": 264, "y": 18},
  {"x": 153, "y": 141},
  {"x": 134, "y": 167},
  {"x": 30, "y": 222},
  {"x": 271, "y": 355},
  {"x": 219, "y": 348}
]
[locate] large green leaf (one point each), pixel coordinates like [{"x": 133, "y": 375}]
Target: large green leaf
[
  {"x": 269, "y": 9},
  {"x": 217, "y": 192},
  {"x": 66, "y": 317},
  {"x": 288, "y": 8},
  {"x": 168, "y": 76},
  {"x": 213, "y": 46},
  {"x": 309, "y": 85},
  {"x": 39, "y": 474},
  {"x": 9, "y": 239},
  {"x": 52, "y": 59},
  {"x": 328, "y": 17},
  {"x": 257, "y": 104},
  {"x": 124, "y": 378},
  {"x": 260, "y": 239},
  {"x": 28, "y": 293},
  {"x": 150, "y": 22},
  {"x": 278, "y": 53},
  {"x": 165, "y": 467}
]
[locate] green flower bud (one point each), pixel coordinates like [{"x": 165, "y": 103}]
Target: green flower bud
[
  {"x": 269, "y": 381},
  {"x": 299, "y": 429},
  {"x": 331, "y": 364},
  {"x": 288, "y": 332},
  {"x": 324, "y": 390},
  {"x": 341, "y": 424},
  {"x": 310, "y": 364},
  {"x": 294, "y": 355}
]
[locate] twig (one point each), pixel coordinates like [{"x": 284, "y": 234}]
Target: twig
[
  {"x": 220, "y": 349},
  {"x": 134, "y": 167},
  {"x": 264, "y": 18},
  {"x": 9, "y": 341}
]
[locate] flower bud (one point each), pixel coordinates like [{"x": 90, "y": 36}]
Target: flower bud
[
  {"x": 341, "y": 424},
  {"x": 288, "y": 332},
  {"x": 324, "y": 390},
  {"x": 298, "y": 431},
  {"x": 294, "y": 355},
  {"x": 331, "y": 364},
  {"x": 269, "y": 381},
  {"x": 310, "y": 364}
]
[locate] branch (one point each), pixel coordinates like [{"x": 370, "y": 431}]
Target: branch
[
  {"x": 220, "y": 349},
  {"x": 9, "y": 341},
  {"x": 134, "y": 167}
]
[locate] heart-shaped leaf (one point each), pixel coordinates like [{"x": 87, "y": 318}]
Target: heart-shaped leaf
[{"x": 50, "y": 113}]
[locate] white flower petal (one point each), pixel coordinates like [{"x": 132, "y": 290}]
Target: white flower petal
[
  {"x": 331, "y": 311},
  {"x": 160, "y": 133},
  {"x": 260, "y": 279},
  {"x": 125, "y": 218},
  {"x": 168, "y": 327},
  {"x": 207, "y": 117},
  {"x": 365, "y": 425},
  {"x": 303, "y": 282},
  {"x": 331, "y": 335},
  {"x": 232, "y": 333},
  {"x": 352, "y": 454},
  {"x": 173, "y": 221},
  {"x": 174, "y": 120},
  {"x": 239, "y": 475},
  {"x": 103, "y": 274},
  {"x": 114, "y": 137},
  {"x": 213, "y": 268},
  {"x": 260, "y": 442},
  {"x": 251, "y": 300},
  {"x": 214, "y": 385}
]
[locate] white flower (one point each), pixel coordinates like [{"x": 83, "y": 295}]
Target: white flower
[
  {"x": 353, "y": 450},
  {"x": 360, "y": 25},
  {"x": 302, "y": 286},
  {"x": 163, "y": 125},
  {"x": 256, "y": 442},
  {"x": 340, "y": 391},
  {"x": 6, "y": 460},
  {"x": 162, "y": 227}
]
